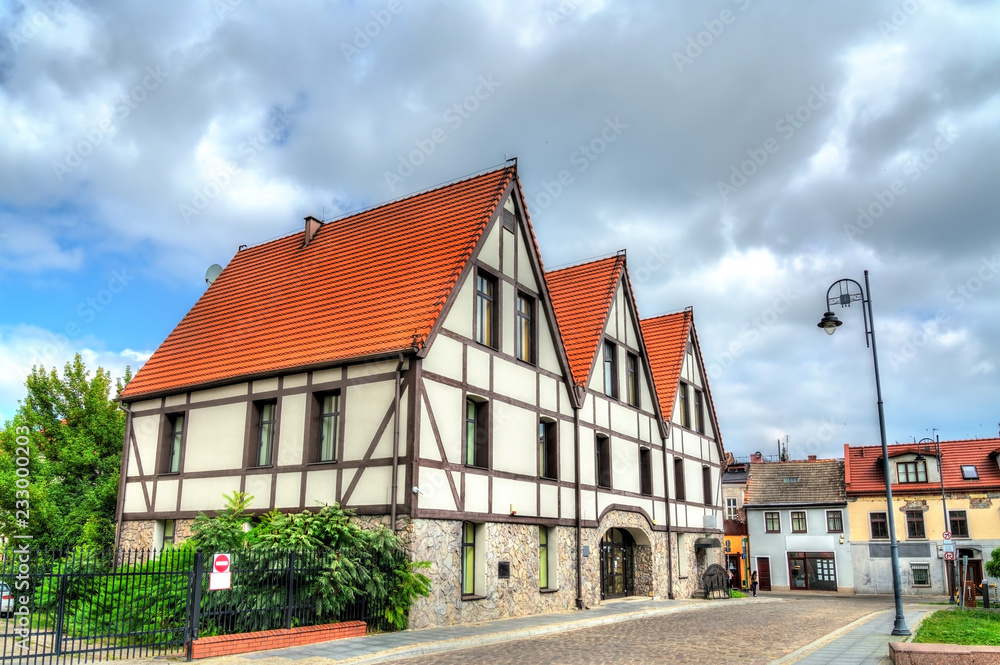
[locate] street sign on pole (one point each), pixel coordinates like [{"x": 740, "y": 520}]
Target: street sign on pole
[
  {"x": 946, "y": 535},
  {"x": 949, "y": 556},
  {"x": 220, "y": 578}
]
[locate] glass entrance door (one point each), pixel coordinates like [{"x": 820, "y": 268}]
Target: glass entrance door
[{"x": 617, "y": 564}]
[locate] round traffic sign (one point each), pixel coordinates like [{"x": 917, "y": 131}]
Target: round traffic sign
[
  {"x": 949, "y": 556},
  {"x": 946, "y": 535},
  {"x": 220, "y": 563}
]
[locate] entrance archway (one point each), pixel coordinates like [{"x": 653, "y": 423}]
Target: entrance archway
[{"x": 617, "y": 564}]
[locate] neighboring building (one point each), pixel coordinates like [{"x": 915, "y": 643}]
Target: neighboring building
[
  {"x": 736, "y": 539},
  {"x": 971, "y": 485},
  {"x": 694, "y": 446},
  {"x": 797, "y": 520},
  {"x": 415, "y": 363}
]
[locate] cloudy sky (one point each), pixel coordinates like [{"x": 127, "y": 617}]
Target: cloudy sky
[{"x": 746, "y": 154}]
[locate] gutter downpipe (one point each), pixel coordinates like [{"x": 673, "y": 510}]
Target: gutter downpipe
[
  {"x": 122, "y": 473},
  {"x": 666, "y": 497},
  {"x": 395, "y": 448},
  {"x": 579, "y": 509}
]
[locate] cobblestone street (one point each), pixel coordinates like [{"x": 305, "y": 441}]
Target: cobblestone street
[{"x": 743, "y": 634}]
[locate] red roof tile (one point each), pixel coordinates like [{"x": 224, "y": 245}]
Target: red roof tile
[
  {"x": 581, "y": 297},
  {"x": 368, "y": 284},
  {"x": 863, "y": 472},
  {"x": 666, "y": 341}
]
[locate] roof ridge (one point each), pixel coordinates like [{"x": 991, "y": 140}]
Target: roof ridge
[{"x": 689, "y": 309}]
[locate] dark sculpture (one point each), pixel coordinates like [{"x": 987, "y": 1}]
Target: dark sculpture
[{"x": 716, "y": 582}]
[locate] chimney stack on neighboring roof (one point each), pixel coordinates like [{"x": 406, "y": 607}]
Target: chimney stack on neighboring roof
[
  {"x": 312, "y": 227},
  {"x": 812, "y": 458}
]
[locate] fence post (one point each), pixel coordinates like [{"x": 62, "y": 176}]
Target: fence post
[
  {"x": 194, "y": 601},
  {"x": 291, "y": 588},
  {"x": 60, "y": 614}
]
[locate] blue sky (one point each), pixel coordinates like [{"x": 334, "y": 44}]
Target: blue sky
[{"x": 745, "y": 154}]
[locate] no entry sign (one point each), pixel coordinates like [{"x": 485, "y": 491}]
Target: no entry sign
[
  {"x": 220, "y": 564},
  {"x": 220, "y": 578}
]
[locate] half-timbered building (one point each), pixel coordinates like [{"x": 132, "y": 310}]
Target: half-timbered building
[{"x": 415, "y": 363}]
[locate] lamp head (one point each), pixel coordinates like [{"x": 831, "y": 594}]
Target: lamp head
[{"x": 829, "y": 323}]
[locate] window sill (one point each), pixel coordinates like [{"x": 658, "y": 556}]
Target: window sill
[
  {"x": 318, "y": 462},
  {"x": 169, "y": 473},
  {"x": 466, "y": 597},
  {"x": 476, "y": 466},
  {"x": 548, "y": 590},
  {"x": 255, "y": 467}
]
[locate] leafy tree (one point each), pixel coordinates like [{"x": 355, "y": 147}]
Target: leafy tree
[
  {"x": 225, "y": 532},
  {"x": 74, "y": 435},
  {"x": 993, "y": 565}
]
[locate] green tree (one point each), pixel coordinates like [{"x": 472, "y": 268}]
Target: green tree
[
  {"x": 993, "y": 565},
  {"x": 74, "y": 434}
]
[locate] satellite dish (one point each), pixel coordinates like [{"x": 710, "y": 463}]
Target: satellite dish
[{"x": 212, "y": 273}]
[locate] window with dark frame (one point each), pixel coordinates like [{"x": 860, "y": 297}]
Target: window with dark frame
[
  {"x": 543, "y": 557},
  {"x": 772, "y": 522},
  {"x": 632, "y": 379},
  {"x": 834, "y": 521},
  {"x": 169, "y": 529},
  {"x": 682, "y": 395},
  {"x": 799, "y": 521},
  {"x": 603, "y": 451},
  {"x": 706, "y": 485},
  {"x": 958, "y": 523},
  {"x": 175, "y": 437},
  {"x": 610, "y": 370},
  {"x": 327, "y": 427},
  {"x": 476, "y": 433},
  {"x": 645, "y": 471},
  {"x": 699, "y": 412},
  {"x": 911, "y": 472},
  {"x": 524, "y": 328},
  {"x": 921, "y": 574},
  {"x": 266, "y": 421},
  {"x": 548, "y": 449},
  {"x": 468, "y": 558},
  {"x": 486, "y": 314},
  {"x": 915, "y": 524},
  {"x": 680, "y": 492},
  {"x": 879, "y": 526}
]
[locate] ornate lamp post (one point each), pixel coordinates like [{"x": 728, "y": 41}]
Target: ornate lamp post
[
  {"x": 847, "y": 294},
  {"x": 944, "y": 502}
]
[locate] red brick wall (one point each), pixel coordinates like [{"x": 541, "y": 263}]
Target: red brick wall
[{"x": 223, "y": 645}]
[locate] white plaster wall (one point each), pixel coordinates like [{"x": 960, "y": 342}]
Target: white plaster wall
[
  {"x": 295, "y": 380},
  {"x": 147, "y": 432},
  {"x": 371, "y": 368},
  {"x": 549, "y": 504},
  {"x": 215, "y": 438},
  {"x": 508, "y": 252},
  {"x": 265, "y": 385},
  {"x": 176, "y": 400},
  {"x": 515, "y": 380},
  {"x": 145, "y": 405},
  {"x": 477, "y": 489},
  {"x": 437, "y": 494},
  {"x": 449, "y": 414},
  {"x": 258, "y": 485},
  {"x": 459, "y": 318},
  {"x": 374, "y": 487},
  {"x": 567, "y": 453},
  {"x": 489, "y": 252},
  {"x": 478, "y": 367},
  {"x": 287, "y": 490},
  {"x": 327, "y": 375},
  {"x": 624, "y": 420},
  {"x": 624, "y": 466},
  {"x": 166, "y": 496},
  {"x": 321, "y": 487},
  {"x": 525, "y": 275},
  {"x": 291, "y": 431},
  {"x": 366, "y": 406},
  {"x": 445, "y": 358},
  {"x": 515, "y": 441},
  {"x": 234, "y": 390},
  {"x": 547, "y": 393},
  {"x": 135, "y": 501},
  {"x": 522, "y": 494},
  {"x": 207, "y": 493},
  {"x": 507, "y": 318}
]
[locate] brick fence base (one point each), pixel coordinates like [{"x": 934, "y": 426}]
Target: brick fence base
[
  {"x": 908, "y": 653},
  {"x": 224, "y": 645}
]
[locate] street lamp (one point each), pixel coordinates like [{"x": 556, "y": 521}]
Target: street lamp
[
  {"x": 830, "y": 323},
  {"x": 944, "y": 504}
]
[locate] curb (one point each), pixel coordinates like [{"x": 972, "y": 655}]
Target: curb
[{"x": 816, "y": 645}]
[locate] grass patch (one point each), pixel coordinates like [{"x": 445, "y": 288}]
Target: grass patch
[
  {"x": 733, "y": 593},
  {"x": 960, "y": 627}
]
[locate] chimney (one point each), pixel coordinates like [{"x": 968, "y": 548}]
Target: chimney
[
  {"x": 312, "y": 227},
  {"x": 812, "y": 458}
]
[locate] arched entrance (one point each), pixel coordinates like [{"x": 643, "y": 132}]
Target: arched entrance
[{"x": 617, "y": 564}]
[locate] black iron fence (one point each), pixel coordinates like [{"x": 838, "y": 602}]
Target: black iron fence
[{"x": 99, "y": 605}]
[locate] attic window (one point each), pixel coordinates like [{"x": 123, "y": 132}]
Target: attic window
[
  {"x": 790, "y": 480},
  {"x": 969, "y": 472},
  {"x": 508, "y": 215}
]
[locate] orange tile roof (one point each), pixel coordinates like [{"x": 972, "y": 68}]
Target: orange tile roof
[
  {"x": 863, "y": 472},
  {"x": 581, "y": 297},
  {"x": 666, "y": 341},
  {"x": 368, "y": 284}
]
